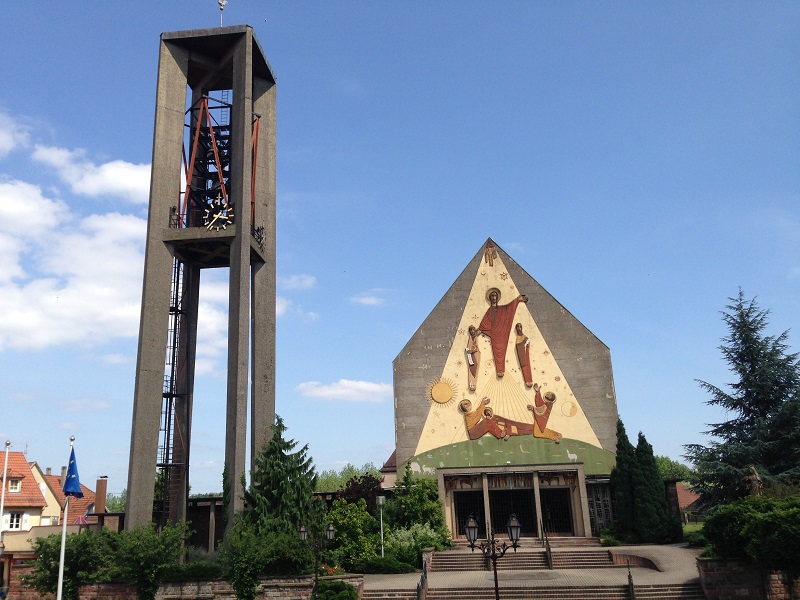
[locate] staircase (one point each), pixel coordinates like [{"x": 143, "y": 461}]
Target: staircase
[{"x": 452, "y": 586}]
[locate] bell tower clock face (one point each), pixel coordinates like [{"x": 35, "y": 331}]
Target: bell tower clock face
[{"x": 218, "y": 215}]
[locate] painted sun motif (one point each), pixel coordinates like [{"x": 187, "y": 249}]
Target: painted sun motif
[{"x": 442, "y": 391}]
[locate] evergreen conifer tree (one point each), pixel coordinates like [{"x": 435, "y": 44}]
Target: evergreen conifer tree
[
  {"x": 623, "y": 478},
  {"x": 281, "y": 486},
  {"x": 653, "y": 520},
  {"x": 764, "y": 405}
]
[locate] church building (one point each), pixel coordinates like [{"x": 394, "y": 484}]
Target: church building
[{"x": 508, "y": 400}]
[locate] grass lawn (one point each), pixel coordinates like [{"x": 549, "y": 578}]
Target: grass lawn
[{"x": 692, "y": 527}]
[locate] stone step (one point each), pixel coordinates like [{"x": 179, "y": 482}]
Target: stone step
[
  {"x": 573, "y": 559},
  {"x": 529, "y": 593},
  {"x": 389, "y": 595},
  {"x": 691, "y": 591}
]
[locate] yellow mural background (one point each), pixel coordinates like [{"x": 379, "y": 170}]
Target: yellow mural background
[{"x": 509, "y": 396}]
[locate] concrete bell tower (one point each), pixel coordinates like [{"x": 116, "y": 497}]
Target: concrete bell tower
[{"x": 212, "y": 205}]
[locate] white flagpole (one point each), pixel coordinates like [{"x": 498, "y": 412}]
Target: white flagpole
[{"x": 63, "y": 539}]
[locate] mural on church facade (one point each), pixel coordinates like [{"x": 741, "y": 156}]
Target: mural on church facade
[{"x": 501, "y": 390}]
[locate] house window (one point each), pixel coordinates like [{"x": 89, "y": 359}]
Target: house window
[
  {"x": 15, "y": 522},
  {"x": 15, "y": 486}
]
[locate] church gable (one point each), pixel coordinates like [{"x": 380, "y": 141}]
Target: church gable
[{"x": 501, "y": 373}]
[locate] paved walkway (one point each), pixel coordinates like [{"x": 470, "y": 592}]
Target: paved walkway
[{"x": 676, "y": 564}]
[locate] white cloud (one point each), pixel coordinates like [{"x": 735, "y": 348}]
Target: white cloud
[
  {"x": 297, "y": 282},
  {"x": 281, "y": 305},
  {"x": 370, "y": 298},
  {"x": 81, "y": 282},
  {"x": 116, "y": 359},
  {"x": 115, "y": 178},
  {"x": 348, "y": 390},
  {"x": 12, "y": 135}
]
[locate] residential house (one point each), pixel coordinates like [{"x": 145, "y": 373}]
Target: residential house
[{"x": 24, "y": 498}]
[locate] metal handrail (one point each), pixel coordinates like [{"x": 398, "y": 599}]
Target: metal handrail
[
  {"x": 422, "y": 586},
  {"x": 547, "y": 550}
]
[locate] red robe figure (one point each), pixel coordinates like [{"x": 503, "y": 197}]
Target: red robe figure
[
  {"x": 496, "y": 325},
  {"x": 524, "y": 355}
]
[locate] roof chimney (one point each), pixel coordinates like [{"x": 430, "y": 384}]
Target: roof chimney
[
  {"x": 48, "y": 471},
  {"x": 100, "y": 495},
  {"x": 63, "y": 476}
]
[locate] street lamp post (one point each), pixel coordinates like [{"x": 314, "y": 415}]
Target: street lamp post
[
  {"x": 316, "y": 541},
  {"x": 492, "y": 549},
  {"x": 381, "y": 500}
]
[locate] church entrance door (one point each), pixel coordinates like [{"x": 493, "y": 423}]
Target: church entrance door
[
  {"x": 557, "y": 511},
  {"x": 469, "y": 503},
  {"x": 519, "y": 502}
]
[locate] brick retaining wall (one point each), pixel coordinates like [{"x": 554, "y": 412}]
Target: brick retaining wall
[
  {"x": 285, "y": 588},
  {"x": 735, "y": 580}
]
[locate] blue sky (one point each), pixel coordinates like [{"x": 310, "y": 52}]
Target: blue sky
[{"x": 639, "y": 160}]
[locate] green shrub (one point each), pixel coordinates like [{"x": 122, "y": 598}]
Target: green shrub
[
  {"x": 85, "y": 555},
  {"x": 336, "y": 590},
  {"x": 762, "y": 531},
  {"x": 695, "y": 539},
  {"x": 195, "y": 570},
  {"x": 607, "y": 538},
  {"x": 144, "y": 555},
  {"x": 283, "y": 555},
  {"x": 357, "y": 537},
  {"x": 385, "y": 565},
  {"x": 724, "y": 528},
  {"x": 406, "y": 543}
]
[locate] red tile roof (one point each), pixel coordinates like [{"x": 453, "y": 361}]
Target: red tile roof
[
  {"x": 29, "y": 495},
  {"x": 77, "y": 506},
  {"x": 686, "y": 495}
]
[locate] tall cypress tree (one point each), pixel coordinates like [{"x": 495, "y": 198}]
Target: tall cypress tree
[
  {"x": 654, "y": 521},
  {"x": 623, "y": 478},
  {"x": 281, "y": 486},
  {"x": 764, "y": 404}
]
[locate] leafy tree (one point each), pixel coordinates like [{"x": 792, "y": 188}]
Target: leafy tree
[
  {"x": 115, "y": 503},
  {"x": 672, "y": 469},
  {"x": 416, "y": 500},
  {"x": 332, "y": 480},
  {"x": 280, "y": 492},
  {"x": 623, "y": 485},
  {"x": 763, "y": 403},
  {"x": 85, "y": 554},
  {"x": 144, "y": 555},
  {"x": 357, "y": 536},
  {"x": 366, "y": 487}
]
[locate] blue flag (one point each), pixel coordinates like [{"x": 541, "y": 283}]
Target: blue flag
[{"x": 72, "y": 484}]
